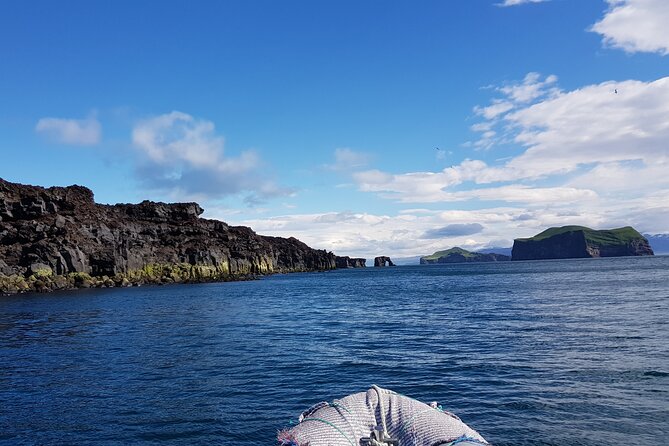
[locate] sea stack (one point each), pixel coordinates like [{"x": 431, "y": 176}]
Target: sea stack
[
  {"x": 383, "y": 261},
  {"x": 343, "y": 262}
]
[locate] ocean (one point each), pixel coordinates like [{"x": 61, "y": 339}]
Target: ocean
[{"x": 564, "y": 352}]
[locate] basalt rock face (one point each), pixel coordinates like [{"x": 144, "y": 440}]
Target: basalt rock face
[
  {"x": 383, "y": 261},
  {"x": 348, "y": 262},
  {"x": 581, "y": 242},
  {"x": 61, "y": 231}
]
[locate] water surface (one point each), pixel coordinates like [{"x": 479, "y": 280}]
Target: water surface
[{"x": 536, "y": 353}]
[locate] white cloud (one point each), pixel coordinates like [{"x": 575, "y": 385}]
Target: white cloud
[
  {"x": 587, "y": 156},
  {"x": 183, "y": 156},
  {"x": 593, "y": 124},
  {"x": 404, "y": 235},
  {"x": 558, "y": 133},
  {"x": 636, "y": 26},
  {"x": 368, "y": 235},
  {"x": 81, "y": 132},
  {"x": 433, "y": 187},
  {"x": 423, "y": 232},
  {"x": 519, "y": 2},
  {"x": 531, "y": 88},
  {"x": 515, "y": 96},
  {"x": 347, "y": 159},
  {"x": 621, "y": 179},
  {"x": 495, "y": 109},
  {"x": 563, "y": 131}
]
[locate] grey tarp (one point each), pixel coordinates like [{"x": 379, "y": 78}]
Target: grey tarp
[{"x": 351, "y": 420}]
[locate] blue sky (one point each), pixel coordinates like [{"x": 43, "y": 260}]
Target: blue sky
[{"x": 362, "y": 127}]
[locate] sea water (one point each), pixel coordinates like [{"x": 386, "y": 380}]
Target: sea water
[{"x": 528, "y": 353}]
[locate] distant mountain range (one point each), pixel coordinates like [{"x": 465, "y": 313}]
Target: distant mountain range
[
  {"x": 659, "y": 243},
  {"x": 495, "y": 250}
]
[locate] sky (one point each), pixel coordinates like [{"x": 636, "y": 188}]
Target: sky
[{"x": 362, "y": 127}]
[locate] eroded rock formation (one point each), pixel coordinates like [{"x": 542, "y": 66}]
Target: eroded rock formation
[
  {"x": 348, "y": 262},
  {"x": 58, "y": 237},
  {"x": 383, "y": 261}
]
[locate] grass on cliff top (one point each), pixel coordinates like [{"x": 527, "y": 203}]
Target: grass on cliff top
[
  {"x": 447, "y": 252},
  {"x": 599, "y": 237}
]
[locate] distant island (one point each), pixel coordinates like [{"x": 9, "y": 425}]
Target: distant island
[
  {"x": 459, "y": 255},
  {"x": 569, "y": 242},
  {"x": 59, "y": 238}
]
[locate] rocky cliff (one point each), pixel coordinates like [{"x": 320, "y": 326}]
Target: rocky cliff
[
  {"x": 581, "y": 242},
  {"x": 58, "y": 237},
  {"x": 383, "y": 261},
  {"x": 459, "y": 255},
  {"x": 348, "y": 262}
]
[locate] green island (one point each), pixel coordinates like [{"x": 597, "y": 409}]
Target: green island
[
  {"x": 459, "y": 255},
  {"x": 581, "y": 242}
]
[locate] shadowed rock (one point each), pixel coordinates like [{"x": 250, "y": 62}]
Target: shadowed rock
[
  {"x": 61, "y": 232},
  {"x": 581, "y": 242},
  {"x": 383, "y": 261},
  {"x": 348, "y": 262}
]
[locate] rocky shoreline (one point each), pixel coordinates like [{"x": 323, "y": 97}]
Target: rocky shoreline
[{"x": 59, "y": 238}]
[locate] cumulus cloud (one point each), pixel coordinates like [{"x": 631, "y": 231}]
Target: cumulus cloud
[
  {"x": 184, "y": 156},
  {"x": 601, "y": 147},
  {"x": 518, "y": 2},
  {"x": 81, "y": 132},
  {"x": 636, "y": 26},
  {"x": 555, "y": 133},
  {"x": 561, "y": 132},
  {"x": 608, "y": 122}
]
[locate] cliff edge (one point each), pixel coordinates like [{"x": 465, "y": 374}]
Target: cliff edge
[
  {"x": 580, "y": 242},
  {"x": 59, "y": 238}
]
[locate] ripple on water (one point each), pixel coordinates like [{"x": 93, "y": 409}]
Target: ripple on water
[{"x": 527, "y": 353}]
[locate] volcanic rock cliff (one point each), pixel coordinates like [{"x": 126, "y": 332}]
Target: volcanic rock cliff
[
  {"x": 581, "y": 242},
  {"x": 383, "y": 261},
  {"x": 348, "y": 262},
  {"x": 58, "y": 237}
]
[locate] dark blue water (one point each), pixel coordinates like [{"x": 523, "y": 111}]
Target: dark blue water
[{"x": 528, "y": 353}]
